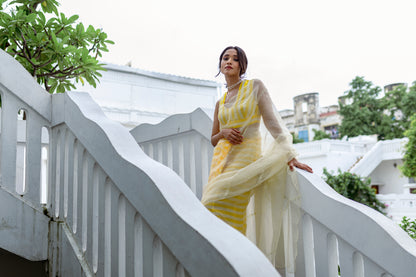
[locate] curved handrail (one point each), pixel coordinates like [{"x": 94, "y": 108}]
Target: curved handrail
[
  {"x": 23, "y": 86},
  {"x": 366, "y": 230},
  {"x": 197, "y": 120},
  {"x": 183, "y": 143},
  {"x": 202, "y": 243}
]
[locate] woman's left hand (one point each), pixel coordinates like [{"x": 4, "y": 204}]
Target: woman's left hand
[{"x": 295, "y": 163}]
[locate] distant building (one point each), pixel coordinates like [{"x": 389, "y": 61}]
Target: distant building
[
  {"x": 391, "y": 87},
  {"x": 288, "y": 117},
  {"x": 307, "y": 116},
  {"x": 133, "y": 96},
  {"x": 330, "y": 120}
]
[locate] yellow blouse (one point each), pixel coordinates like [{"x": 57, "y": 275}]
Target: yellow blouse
[{"x": 244, "y": 111}]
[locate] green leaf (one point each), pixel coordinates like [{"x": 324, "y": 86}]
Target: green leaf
[
  {"x": 60, "y": 88},
  {"x": 41, "y": 19},
  {"x": 54, "y": 40},
  {"x": 80, "y": 29},
  {"x": 91, "y": 31},
  {"x": 31, "y": 17},
  {"x": 72, "y": 19},
  {"x": 63, "y": 19}
]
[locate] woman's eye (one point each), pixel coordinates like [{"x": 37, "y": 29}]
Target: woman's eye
[{"x": 236, "y": 60}]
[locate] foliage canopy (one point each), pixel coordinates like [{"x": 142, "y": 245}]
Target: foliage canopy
[
  {"x": 409, "y": 160},
  {"x": 409, "y": 226},
  {"x": 319, "y": 134},
  {"x": 362, "y": 116},
  {"x": 296, "y": 139},
  {"x": 52, "y": 47},
  {"x": 366, "y": 112}
]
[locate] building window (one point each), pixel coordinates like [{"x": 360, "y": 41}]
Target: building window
[
  {"x": 303, "y": 135},
  {"x": 304, "y": 107}
]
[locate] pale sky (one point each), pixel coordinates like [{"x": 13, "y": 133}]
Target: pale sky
[{"x": 294, "y": 47}]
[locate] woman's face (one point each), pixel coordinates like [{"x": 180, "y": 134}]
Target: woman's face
[{"x": 229, "y": 63}]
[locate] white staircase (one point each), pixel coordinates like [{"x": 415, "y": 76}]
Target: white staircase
[
  {"x": 110, "y": 209},
  {"x": 113, "y": 211},
  {"x": 383, "y": 150},
  {"x": 334, "y": 230}
]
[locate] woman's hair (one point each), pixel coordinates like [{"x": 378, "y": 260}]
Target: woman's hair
[{"x": 242, "y": 59}]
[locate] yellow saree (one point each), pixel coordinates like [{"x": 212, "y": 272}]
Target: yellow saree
[{"x": 248, "y": 186}]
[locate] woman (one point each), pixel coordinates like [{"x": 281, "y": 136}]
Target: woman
[{"x": 241, "y": 171}]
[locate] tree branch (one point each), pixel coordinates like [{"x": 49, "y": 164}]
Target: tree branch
[
  {"x": 66, "y": 72},
  {"x": 25, "y": 47},
  {"x": 24, "y": 54},
  {"x": 59, "y": 30},
  {"x": 46, "y": 63}
]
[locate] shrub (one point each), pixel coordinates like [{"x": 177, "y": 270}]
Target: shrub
[{"x": 355, "y": 188}]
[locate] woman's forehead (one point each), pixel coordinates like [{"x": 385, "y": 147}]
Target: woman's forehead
[{"x": 231, "y": 52}]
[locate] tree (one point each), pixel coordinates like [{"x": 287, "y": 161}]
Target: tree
[
  {"x": 52, "y": 47},
  {"x": 355, "y": 188},
  {"x": 409, "y": 160},
  {"x": 364, "y": 115},
  {"x": 399, "y": 104},
  {"x": 320, "y": 135},
  {"x": 296, "y": 139},
  {"x": 368, "y": 113},
  {"x": 393, "y": 105}
]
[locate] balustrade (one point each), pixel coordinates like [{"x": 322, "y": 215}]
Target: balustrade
[
  {"x": 112, "y": 211},
  {"x": 331, "y": 227},
  {"x": 108, "y": 209},
  {"x": 399, "y": 205},
  {"x": 183, "y": 143},
  {"x": 336, "y": 238},
  {"x": 327, "y": 145}
]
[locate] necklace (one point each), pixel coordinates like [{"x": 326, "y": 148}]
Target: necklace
[{"x": 233, "y": 85}]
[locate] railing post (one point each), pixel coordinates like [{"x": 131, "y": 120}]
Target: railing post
[{"x": 8, "y": 142}]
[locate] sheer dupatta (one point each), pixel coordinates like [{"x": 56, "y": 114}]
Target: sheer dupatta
[{"x": 275, "y": 201}]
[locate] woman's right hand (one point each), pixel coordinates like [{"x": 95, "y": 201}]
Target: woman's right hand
[{"x": 232, "y": 135}]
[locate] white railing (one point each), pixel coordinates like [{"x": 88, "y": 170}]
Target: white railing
[
  {"x": 335, "y": 230},
  {"x": 399, "y": 205},
  {"x": 383, "y": 150},
  {"x": 111, "y": 210},
  {"x": 24, "y": 227},
  {"x": 339, "y": 231},
  {"x": 181, "y": 142},
  {"x": 328, "y": 145}
]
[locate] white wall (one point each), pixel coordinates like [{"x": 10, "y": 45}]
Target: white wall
[
  {"x": 133, "y": 96},
  {"x": 389, "y": 176},
  {"x": 332, "y": 161}
]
